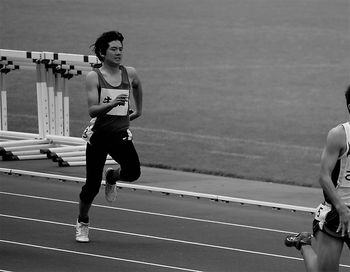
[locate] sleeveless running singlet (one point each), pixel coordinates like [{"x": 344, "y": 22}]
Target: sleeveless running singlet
[
  {"x": 117, "y": 119},
  {"x": 341, "y": 172}
]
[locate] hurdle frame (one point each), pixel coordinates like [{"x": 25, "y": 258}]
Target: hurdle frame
[{"x": 53, "y": 71}]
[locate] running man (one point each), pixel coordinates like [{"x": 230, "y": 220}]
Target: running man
[
  {"x": 108, "y": 91},
  {"x": 331, "y": 226}
]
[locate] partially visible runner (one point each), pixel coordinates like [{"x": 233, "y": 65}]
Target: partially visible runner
[
  {"x": 331, "y": 225},
  {"x": 108, "y": 92}
]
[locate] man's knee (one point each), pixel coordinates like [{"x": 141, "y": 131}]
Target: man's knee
[
  {"x": 328, "y": 251},
  {"x": 88, "y": 193},
  {"x": 130, "y": 175}
]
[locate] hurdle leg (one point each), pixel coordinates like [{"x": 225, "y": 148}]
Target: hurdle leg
[
  {"x": 3, "y": 105},
  {"x": 51, "y": 98},
  {"x": 1, "y": 88},
  {"x": 44, "y": 100},
  {"x": 39, "y": 99},
  {"x": 66, "y": 131},
  {"x": 58, "y": 104}
]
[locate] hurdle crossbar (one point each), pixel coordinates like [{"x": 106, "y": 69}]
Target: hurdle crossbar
[
  {"x": 66, "y": 148},
  {"x": 62, "y": 69},
  {"x": 75, "y": 58},
  {"x": 18, "y": 135},
  {"x": 69, "y": 153},
  {"x": 14, "y": 157},
  {"x": 23, "y": 145},
  {"x": 18, "y": 54},
  {"x": 30, "y": 147},
  {"x": 24, "y": 152},
  {"x": 24, "y": 142}
]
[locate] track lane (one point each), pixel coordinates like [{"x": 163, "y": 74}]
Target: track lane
[{"x": 121, "y": 217}]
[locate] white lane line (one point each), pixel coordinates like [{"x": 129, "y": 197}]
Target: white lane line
[
  {"x": 168, "y": 191},
  {"x": 158, "y": 238},
  {"x": 153, "y": 213},
  {"x": 99, "y": 256}
]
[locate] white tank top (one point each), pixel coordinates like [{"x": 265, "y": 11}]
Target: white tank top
[{"x": 342, "y": 180}]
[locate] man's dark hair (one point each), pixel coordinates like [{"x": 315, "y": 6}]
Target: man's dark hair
[
  {"x": 101, "y": 45},
  {"x": 347, "y": 96}
]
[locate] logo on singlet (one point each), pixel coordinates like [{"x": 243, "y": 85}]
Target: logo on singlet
[{"x": 106, "y": 99}]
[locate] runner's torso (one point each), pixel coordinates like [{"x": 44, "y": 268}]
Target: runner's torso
[{"x": 117, "y": 119}]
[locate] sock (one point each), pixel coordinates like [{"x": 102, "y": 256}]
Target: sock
[{"x": 115, "y": 175}]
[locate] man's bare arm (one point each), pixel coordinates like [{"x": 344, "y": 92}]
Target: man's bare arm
[
  {"x": 137, "y": 93},
  {"x": 335, "y": 146}
]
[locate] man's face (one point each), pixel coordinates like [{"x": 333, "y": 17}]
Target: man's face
[{"x": 114, "y": 53}]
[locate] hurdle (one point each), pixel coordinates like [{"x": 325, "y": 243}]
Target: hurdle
[
  {"x": 22, "y": 150},
  {"x": 53, "y": 71},
  {"x": 54, "y": 151},
  {"x": 61, "y": 155},
  {"x": 68, "y": 145}
]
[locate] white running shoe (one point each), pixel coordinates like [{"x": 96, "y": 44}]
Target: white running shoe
[
  {"x": 110, "y": 189},
  {"x": 82, "y": 232}
]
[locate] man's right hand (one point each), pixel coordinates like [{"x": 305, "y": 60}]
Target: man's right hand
[{"x": 120, "y": 100}]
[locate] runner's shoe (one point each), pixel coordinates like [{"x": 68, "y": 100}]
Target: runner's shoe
[
  {"x": 298, "y": 240},
  {"x": 111, "y": 186},
  {"x": 82, "y": 232}
]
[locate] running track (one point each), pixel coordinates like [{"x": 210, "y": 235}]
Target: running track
[{"x": 142, "y": 231}]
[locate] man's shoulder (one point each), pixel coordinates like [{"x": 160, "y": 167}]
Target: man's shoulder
[
  {"x": 92, "y": 74},
  {"x": 132, "y": 74},
  {"x": 92, "y": 77},
  {"x": 131, "y": 70},
  {"x": 337, "y": 135},
  {"x": 339, "y": 129}
]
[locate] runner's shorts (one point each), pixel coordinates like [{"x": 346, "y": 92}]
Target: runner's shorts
[{"x": 327, "y": 220}]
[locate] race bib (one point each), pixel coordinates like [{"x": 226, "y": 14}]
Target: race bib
[{"x": 107, "y": 95}]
